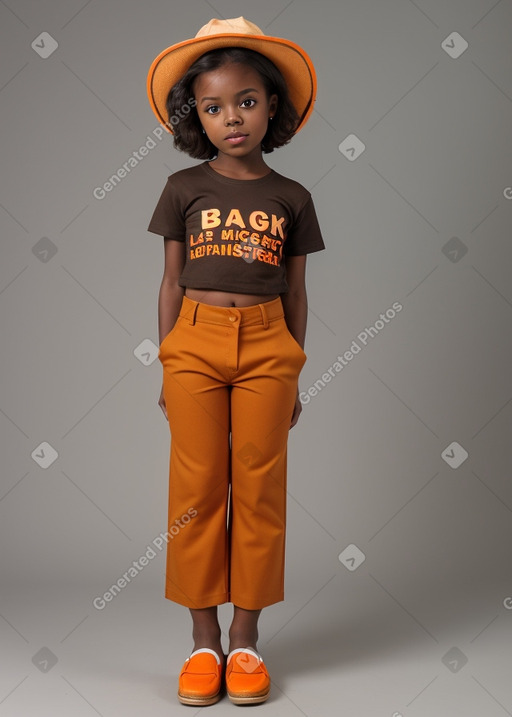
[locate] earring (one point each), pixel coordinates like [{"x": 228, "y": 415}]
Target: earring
[
  {"x": 271, "y": 118},
  {"x": 204, "y": 132}
]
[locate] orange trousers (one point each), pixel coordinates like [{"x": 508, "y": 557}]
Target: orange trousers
[{"x": 230, "y": 379}]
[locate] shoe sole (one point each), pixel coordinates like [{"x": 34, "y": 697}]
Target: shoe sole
[
  {"x": 248, "y": 699},
  {"x": 199, "y": 701}
]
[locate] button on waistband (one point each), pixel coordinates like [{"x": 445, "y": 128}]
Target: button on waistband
[{"x": 232, "y": 318}]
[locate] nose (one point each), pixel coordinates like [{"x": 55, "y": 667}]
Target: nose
[{"x": 232, "y": 118}]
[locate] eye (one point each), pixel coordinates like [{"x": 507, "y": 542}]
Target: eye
[
  {"x": 246, "y": 102},
  {"x": 212, "y": 109}
]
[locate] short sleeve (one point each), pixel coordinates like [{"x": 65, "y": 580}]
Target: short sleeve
[
  {"x": 168, "y": 218},
  {"x": 304, "y": 237}
]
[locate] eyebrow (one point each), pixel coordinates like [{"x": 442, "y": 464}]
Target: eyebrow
[{"x": 237, "y": 94}]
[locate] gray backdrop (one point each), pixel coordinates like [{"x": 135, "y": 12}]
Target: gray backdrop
[{"x": 398, "y": 584}]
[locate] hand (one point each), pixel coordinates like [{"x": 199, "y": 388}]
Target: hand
[
  {"x": 296, "y": 411},
  {"x": 161, "y": 403}
]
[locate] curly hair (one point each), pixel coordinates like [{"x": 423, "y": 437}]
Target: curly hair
[{"x": 184, "y": 119}]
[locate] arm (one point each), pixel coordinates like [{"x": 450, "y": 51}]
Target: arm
[
  {"x": 295, "y": 304},
  {"x": 170, "y": 295}
]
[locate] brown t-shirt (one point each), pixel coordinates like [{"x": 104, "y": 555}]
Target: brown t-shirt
[{"x": 236, "y": 231}]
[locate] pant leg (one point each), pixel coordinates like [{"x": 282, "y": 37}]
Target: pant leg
[
  {"x": 262, "y": 402},
  {"x": 197, "y": 402}
]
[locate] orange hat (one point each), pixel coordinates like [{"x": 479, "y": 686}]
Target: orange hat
[{"x": 295, "y": 65}]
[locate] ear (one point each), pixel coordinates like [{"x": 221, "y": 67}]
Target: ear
[{"x": 272, "y": 105}]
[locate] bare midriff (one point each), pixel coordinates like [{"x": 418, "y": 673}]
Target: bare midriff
[{"x": 227, "y": 298}]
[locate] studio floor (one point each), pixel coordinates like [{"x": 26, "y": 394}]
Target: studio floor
[{"x": 328, "y": 653}]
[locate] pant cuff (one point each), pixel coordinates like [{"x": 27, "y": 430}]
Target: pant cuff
[{"x": 208, "y": 601}]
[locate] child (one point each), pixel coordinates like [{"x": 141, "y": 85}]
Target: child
[{"x": 232, "y": 320}]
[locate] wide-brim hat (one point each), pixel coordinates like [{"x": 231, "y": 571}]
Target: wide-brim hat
[{"x": 293, "y": 62}]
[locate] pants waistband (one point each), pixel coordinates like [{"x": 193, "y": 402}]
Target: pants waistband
[{"x": 228, "y": 315}]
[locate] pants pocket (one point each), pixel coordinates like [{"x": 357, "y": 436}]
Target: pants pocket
[
  {"x": 168, "y": 337},
  {"x": 292, "y": 340}
]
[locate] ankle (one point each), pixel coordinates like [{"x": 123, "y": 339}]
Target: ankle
[
  {"x": 239, "y": 639},
  {"x": 209, "y": 637}
]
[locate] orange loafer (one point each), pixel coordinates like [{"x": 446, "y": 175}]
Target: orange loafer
[
  {"x": 200, "y": 681},
  {"x": 247, "y": 679}
]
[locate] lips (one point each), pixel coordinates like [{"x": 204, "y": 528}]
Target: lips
[{"x": 235, "y": 137}]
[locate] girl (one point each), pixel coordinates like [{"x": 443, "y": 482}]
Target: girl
[{"x": 232, "y": 321}]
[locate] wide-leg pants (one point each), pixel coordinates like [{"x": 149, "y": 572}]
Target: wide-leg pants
[{"x": 230, "y": 383}]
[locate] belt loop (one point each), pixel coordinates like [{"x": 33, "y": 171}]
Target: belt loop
[
  {"x": 194, "y": 312},
  {"x": 264, "y": 316}
]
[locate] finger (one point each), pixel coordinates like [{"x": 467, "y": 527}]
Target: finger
[{"x": 162, "y": 405}]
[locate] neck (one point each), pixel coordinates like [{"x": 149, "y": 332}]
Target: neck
[{"x": 249, "y": 167}]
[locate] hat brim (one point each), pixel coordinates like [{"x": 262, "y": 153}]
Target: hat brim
[{"x": 294, "y": 64}]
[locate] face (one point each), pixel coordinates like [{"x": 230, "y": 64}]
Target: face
[{"x": 234, "y": 109}]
